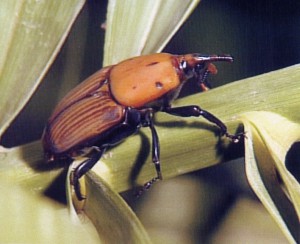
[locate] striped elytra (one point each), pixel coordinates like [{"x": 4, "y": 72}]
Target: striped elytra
[
  {"x": 83, "y": 114},
  {"x": 84, "y": 120}
]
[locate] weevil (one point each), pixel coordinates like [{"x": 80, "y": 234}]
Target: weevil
[{"x": 118, "y": 100}]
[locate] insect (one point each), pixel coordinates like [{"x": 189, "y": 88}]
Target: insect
[{"x": 118, "y": 100}]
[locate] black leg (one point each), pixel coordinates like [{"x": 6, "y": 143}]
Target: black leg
[
  {"x": 155, "y": 150},
  {"x": 84, "y": 167},
  {"x": 155, "y": 154},
  {"x": 111, "y": 137},
  {"x": 196, "y": 111}
]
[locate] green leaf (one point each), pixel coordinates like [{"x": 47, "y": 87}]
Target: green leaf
[
  {"x": 105, "y": 209},
  {"x": 141, "y": 27},
  {"x": 28, "y": 218},
  {"x": 269, "y": 137},
  {"x": 32, "y": 33}
]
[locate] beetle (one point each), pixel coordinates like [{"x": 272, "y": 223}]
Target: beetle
[{"x": 118, "y": 100}]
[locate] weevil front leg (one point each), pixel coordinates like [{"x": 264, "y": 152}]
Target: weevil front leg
[
  {"x": 83, "y": 168},
  {"x": 196, "y": 111}
]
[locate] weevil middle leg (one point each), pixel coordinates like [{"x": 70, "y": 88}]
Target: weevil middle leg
[{"x": 148, "y": 122}]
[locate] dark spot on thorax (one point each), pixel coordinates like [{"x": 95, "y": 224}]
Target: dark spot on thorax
[
  {"x": 153, "y": 63},
  {"x": 159, "y": 85}
]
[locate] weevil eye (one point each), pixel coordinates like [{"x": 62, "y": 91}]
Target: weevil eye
[
  {"x": 183, "y": 65},
  {"x": 187, "y": 69}
]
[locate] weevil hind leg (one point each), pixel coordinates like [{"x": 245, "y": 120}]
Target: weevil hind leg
[{"x": 83, "y": 168}]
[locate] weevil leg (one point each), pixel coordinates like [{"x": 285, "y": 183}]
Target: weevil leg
[
  {"x": 113, "y": 136},
  {"x": 196, "y": 111},
  {"x": 155, "y": 155},
  {"x": 83, "y": 168},
  {"x": 155, "y": 150}
]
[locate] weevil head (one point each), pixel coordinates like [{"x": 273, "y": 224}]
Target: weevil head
[{"x": 200, "y": 66}]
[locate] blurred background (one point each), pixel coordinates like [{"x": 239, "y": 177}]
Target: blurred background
[{"x": 213, "y": 205}]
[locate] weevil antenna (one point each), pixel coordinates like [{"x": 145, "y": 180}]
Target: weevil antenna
[{"x": 212, "y": 58}]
